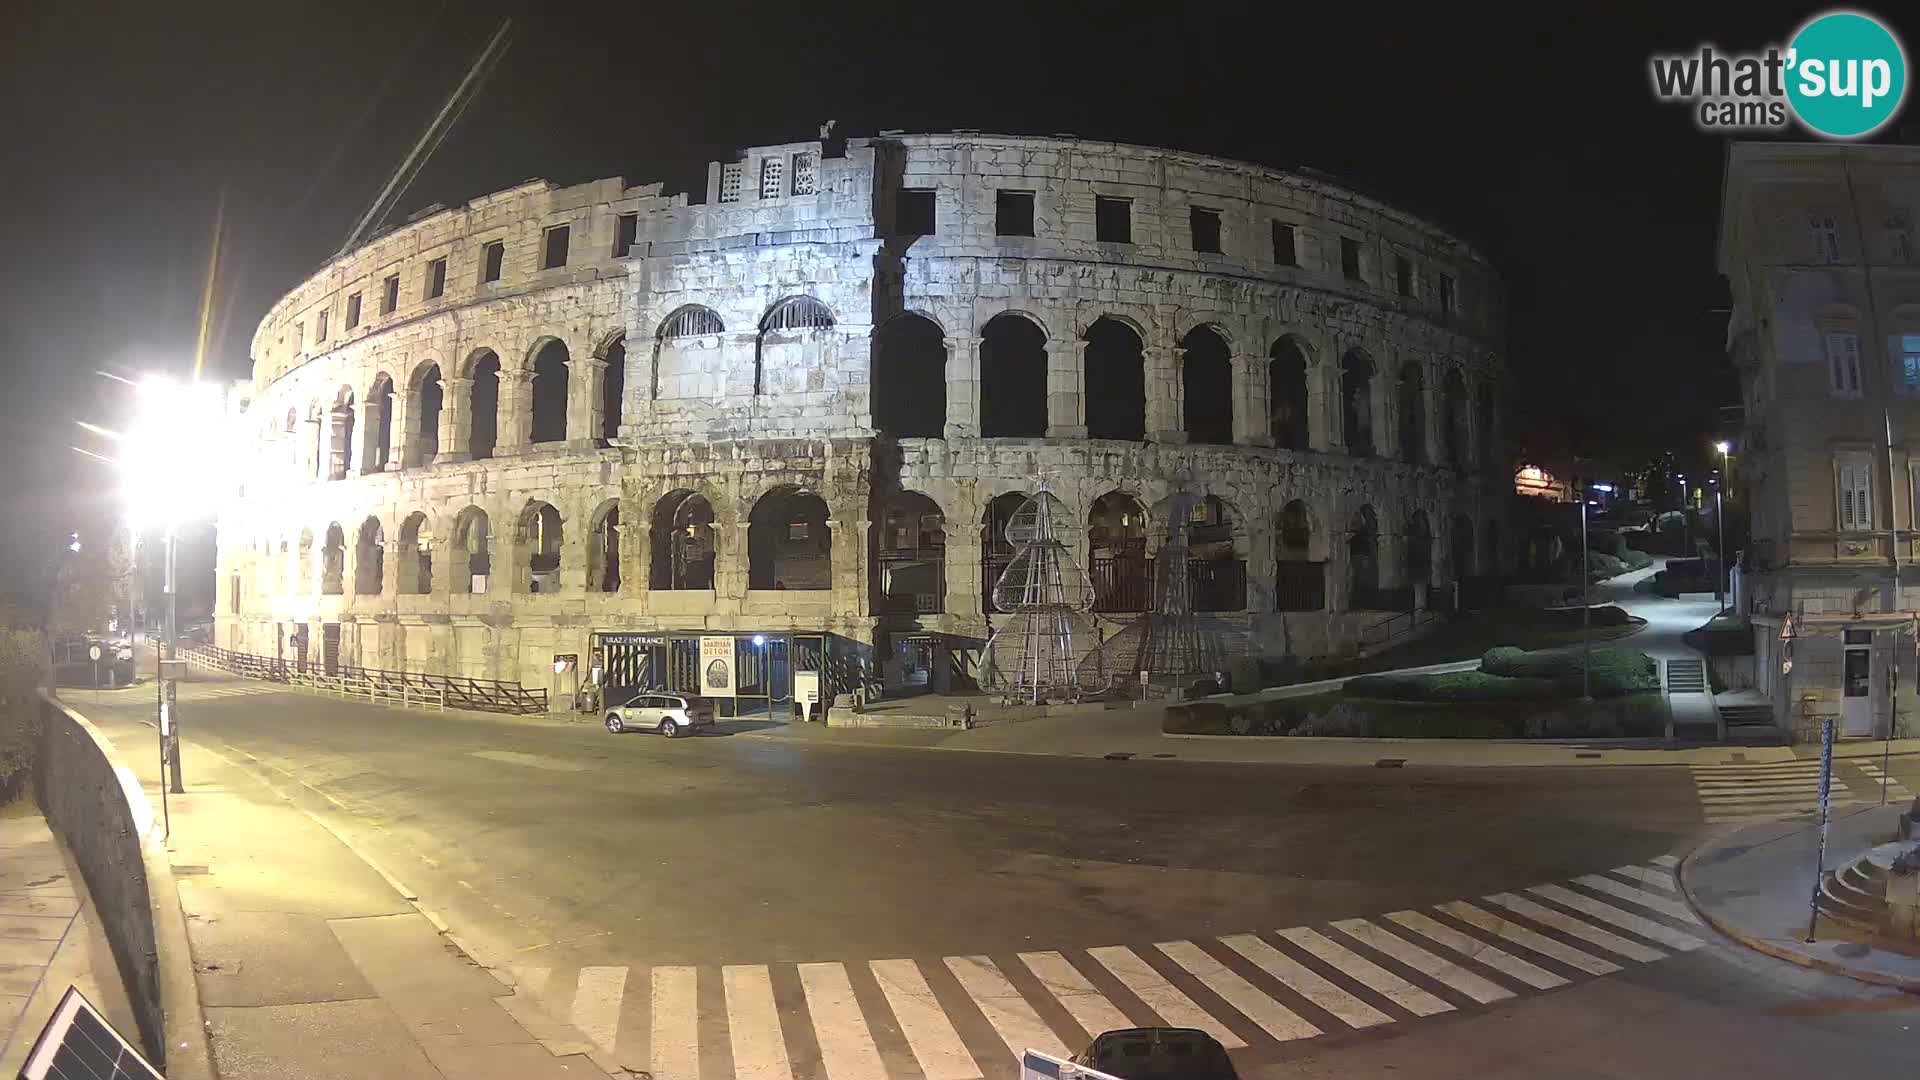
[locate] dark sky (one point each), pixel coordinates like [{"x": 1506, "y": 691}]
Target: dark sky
[{"x": 1534, "y": 136}]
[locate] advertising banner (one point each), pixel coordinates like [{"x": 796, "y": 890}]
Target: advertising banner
[{"x": 716, "y": 666}]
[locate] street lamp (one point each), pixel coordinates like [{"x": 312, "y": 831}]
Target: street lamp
[
  {"x": 1720, "y": 519},
  {"x": 173, "y": 466},
  {"x": 1586, "y": 606}
]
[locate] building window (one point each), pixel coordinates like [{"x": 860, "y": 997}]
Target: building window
[
  {"x": 299, "y": 336},
  {"x": 320, "y": 327},
  {"x": 1843, "y": 363},
  {"x": 803, "y": 177},
  {"x": 1855, "y": 484},
  {"x": 1899, "y": 240},
  {"x": 730, "y": 182},
  {"x": 492, "y": 256},
  {"x": 353, "y": 311},
  {"x": 390, "y": 294},
  {"x": 1446, "y": 294},
  {"x": 1204, "y": 225},
  {"x": 913, "y": 213},
  {"x": 629, "y": 232},
  {"x": 233, "y": 595},
  {"x": 1285, "y": 253},
  {"x": 1825, "y": 236},
  {"x": 1013, "y": 213},
  {"x": 554, "y": 252},
  {"x": 1350, "y": 258},
  {"x": 1112, "y": 219},
  {"x": 437, "y": 278},
  {"x": 1402, "y": 275},
  {"x": 1910, "y": 363}
]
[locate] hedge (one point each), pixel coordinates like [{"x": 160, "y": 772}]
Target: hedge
[
  {"x": 1616, "y": 669},
  {"x": 1568, "y": 618},
  {"x": 1451, "y": 686}
]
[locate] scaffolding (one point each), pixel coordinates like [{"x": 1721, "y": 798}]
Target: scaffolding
[{"x": 1040, "y": 653}]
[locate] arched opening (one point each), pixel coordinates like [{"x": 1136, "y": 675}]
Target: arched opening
[
  {"x": 603, "y": 550},
  {"x": 909, "y": 378},
  {"x": 678, "y": 367},
  {"x": 340, "y": 462},
  {"x": 791, "y": 344},
  {"x": 538, "y": 536},
  {"x": 1117, "y": 553},
  {"x": 1300, "y": 583},
  {"x": 1413, "y": 414},
  {"x": 1356, "y": 402},
  {"x": 1419, "y": 548},
  {"x": 333, "y": 561},
  {"x": 1460, "y": 547},
  {"x": 379, "y": 425},
  {"x": 1363, "y": 558},
  {"x": 788, "y": 543},
  {"x": 1116, "y": 382},
  {"x": 613, "y": 389},
  {"x": 472, "y": 555},
  {"x": 1454, "y": 407},
  {"x": 370, "y": 559},
  {"x": 682, "y": 541},
  {"x": 483, "y": 432},
  {"x": 322, "y": 425},
  {"x": 1013, "y": 378},
  {"x": 426, "y": 433},
  {"x": 304, "y": 563},
  {"x": 1287, "y": 394},
  {"x": 996, "y": 551},
  {"x": 1216, "y": 573},
  {"x": 1206, "y": 380},
  {"x": 550, "y": 394},
  {"x": 1485, "y": 418},
  {"x": 909, "y": 556},
  {"x": 415, "y": 564}
]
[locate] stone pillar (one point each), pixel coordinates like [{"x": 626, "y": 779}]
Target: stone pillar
[
  {"x": 400, "y": 425},
  {"x": 1380, "y": 389},
  {"x": 850, "y": 529},
  {"x": 456, "y": 419},
  {"x": 390, "y": 567},
  {"x": 965, "y": 545},
  {"x": 314, "y": 446},
  {"x": 515, "y": 429},
  {"x": 963, "y": 387},
  {"x": 586, "y": 380},
  {"x": 1067, "y": 389},
  {"x": 441, "y": 568},
  {"x": 1476, "y": 426},
  {"x": 1165, "y": 424},
  {"x": 1251, "y": 426},
  {"x": 730, "y": 568},
  {"x": 1323, "y": 406}
]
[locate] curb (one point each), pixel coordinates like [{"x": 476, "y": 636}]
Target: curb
[
  {"x": 189, "y": 1057},
  {"x": 1780, "y": 952}
]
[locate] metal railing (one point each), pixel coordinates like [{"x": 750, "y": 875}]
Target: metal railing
[
  {"x": 405, "y": 688},
  {"x": 1300, "y": 586},
  {"x": 1122, "y": 583}
]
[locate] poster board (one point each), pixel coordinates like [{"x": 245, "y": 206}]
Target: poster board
[
  {"x": 806, "y": 693},
  {"x": 716, "y": 666}
]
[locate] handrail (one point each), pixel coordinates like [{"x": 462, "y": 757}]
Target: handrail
[{"x": 408, "y": 688}]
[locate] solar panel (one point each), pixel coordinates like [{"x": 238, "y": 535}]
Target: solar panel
[{"x": 79, "y": 1044}]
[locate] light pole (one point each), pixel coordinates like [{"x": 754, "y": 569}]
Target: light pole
[
  {"x": 1720, "y": 519},
  {"x": 1586, "y": 606}
]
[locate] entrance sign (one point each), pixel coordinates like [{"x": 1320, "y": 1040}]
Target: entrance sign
[
  {"x": 716, "y": 666},
  {"x": 806, "y": 693}
]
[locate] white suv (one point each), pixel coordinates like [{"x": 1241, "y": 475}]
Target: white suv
[{"x": 669, "y": 714}]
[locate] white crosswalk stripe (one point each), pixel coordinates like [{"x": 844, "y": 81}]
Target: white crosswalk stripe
[
  {"x": 1895, "y": 790},
  {"x": 1767, "y": 791},
  {"x": 1668, "y": 861},
  {"x": 969, "y": 1017}
]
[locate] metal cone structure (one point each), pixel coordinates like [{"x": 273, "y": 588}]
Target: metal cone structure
[
  {"x": 1036, "y": 655},
  {"x": 1168, "y": 642}
]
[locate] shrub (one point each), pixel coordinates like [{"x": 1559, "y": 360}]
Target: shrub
[
  {"x": 1568, "y": 618},
  {"x": 1451, "y": 686},
  {"x": 23, "y": 670},
  {"x": 1617, "y": 669},
  {"x": 1635, "y": 560}
]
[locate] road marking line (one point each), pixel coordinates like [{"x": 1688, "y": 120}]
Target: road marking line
[
  {"x": 1011, "y": 1016},
  {"x": 1306, "y": 982},
  {"x": 930, "y": 1035},
  {"x": 1669, "y": 908},
  {"x": 753, "y": 1024},
  {"x": 1723, "y": 791},
  {"x": 1274, "y": 1018},
  {"x": 1607, "y": 940},
  {"x": 1661, "y": 878},
  {"x": 1478, "y": 987},
  {"x": 1507, "y": 930},
  {"x": 676, "y": 1022},
  {"x": 1474, "y": 949},
  {"x": 1625, "y": 920},
  {"x": 1354, "y": 966},
  {"x": 847, "y": 1051},
  {"x": 1086, "y": 1004},
  {"x": 1173, "y": 1007},
  {"x": 1668, "y": 861},
  {"x": 596, "y": 1003}
]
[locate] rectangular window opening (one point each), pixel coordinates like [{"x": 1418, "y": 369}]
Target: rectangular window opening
[
  {"x": 730, "y": 182},
  {"x": 629, "y": 232},
  {"x": 353, "y": 311},
  {"x": 1350, "y": 258},
  {"x": 1402, "y": 275},
  {"x": 1204, "y": 224},
  {"x": 803, "y": 174},
  {"x": 437, "y": 278},
  {"x": 554, "y": 253},
  {"x": 390, "y": 294},
  {"x": 771, "y": 172},
  {"x": 1013, "y": 213},
  {"x": 1843, "y": 363},
  {"x": 1285, "y": 253},
  {"x": 1112, "y": 219},
  {"x": 493, "y": 257},
  {"x": 1446, "y": 294},
  {"x": 913, "y": 212},
  {"x": 1855, "y": 483},
  {"x": 320, "y": 327},
  {"x": 1824, "y": 233}
]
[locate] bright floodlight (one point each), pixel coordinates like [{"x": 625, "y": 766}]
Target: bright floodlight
[
  {"x": 1723, "y": 446},
  {"x": 174, "y": 458},
  {"x": 1603, "y": 487}
]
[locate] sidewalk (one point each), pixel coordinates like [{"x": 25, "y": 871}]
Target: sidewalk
[
  {"x": 1755, "y": 885},
  {"x": 50, "y": 937},
  {"x": 313, "y": 964}
]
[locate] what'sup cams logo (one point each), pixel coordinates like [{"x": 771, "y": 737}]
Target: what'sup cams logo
[{"x": 1842, "y": 76}]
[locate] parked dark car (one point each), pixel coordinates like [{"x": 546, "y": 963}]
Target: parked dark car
[
  {"x": 1158, "y": 1053},
  {"x": 72, "y": 662}
]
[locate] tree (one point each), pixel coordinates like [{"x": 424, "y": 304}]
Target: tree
[{"x": 90, "y": 584}]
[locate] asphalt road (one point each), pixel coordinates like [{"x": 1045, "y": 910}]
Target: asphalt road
[{"x": 568, "y": 849}]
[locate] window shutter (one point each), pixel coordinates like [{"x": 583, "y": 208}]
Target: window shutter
[{"x": 1846, "y": 496}]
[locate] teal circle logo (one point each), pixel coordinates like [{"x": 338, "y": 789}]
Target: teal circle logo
[{"x": 1847, "y": 74}]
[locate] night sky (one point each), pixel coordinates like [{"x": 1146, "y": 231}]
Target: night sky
[{"x": 1535, "y": 137}]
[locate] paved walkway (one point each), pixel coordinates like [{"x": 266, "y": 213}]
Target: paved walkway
[{"x": 50, "y": 937}]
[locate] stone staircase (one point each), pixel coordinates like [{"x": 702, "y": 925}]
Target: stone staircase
[
  {"x": 1686, "y": 676},
  {"x": 1747, "y": 716},
  {"x": 1856, "y": 894}
]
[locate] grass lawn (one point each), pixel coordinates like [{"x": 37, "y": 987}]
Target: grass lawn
[
  {"x": 1637, "y": 715},
  {"x": 1470, "y": 638}
]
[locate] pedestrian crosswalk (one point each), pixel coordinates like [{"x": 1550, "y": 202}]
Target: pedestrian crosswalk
[
  {"x": 212, "y": 692},
  {"x": 969, "y": 1017},
  {"x": 1769, "y": 791}
]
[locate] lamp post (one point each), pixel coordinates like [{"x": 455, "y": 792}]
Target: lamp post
[
  {"x": 1586, "y": 606},
  {"x": 1720, "y": 519}
]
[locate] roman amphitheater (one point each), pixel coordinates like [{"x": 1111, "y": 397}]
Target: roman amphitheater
[{"x": 561, "y": 430}]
